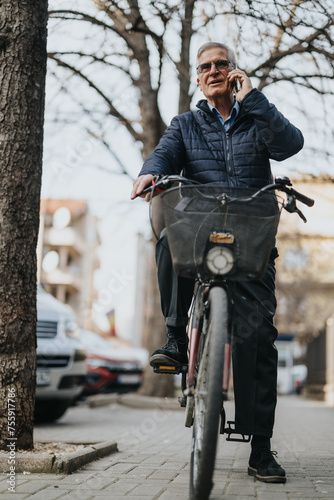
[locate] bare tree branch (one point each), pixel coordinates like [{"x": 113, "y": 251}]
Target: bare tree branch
[
  {"x": 288, "y": 30},
  {"x": 76, "y": 15},
  {"x": 102, "y": 60},
  {"x": 112, "y": 110},
  {"x": 106, "y": 144}
]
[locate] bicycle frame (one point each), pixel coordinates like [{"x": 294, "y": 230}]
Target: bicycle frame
[
  {"x": 196, "y": 324},
  {"x": 195, "y": 327}
]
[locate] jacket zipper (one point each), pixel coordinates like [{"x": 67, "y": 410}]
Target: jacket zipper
[
  {"x": 228, "y": 149},
  {"x": 228, "y": 153},
  {"x": 228, "y": 156}
]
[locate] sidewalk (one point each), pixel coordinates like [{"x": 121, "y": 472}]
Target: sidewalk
[{"x": 153, "y": 461}]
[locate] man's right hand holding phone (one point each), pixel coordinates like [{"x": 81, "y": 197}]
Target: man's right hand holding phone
[{"x": 238, "y": 76}]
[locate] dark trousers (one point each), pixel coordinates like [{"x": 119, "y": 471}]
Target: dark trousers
[{"x": 254, "y": 356}]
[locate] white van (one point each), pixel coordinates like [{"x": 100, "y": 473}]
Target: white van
[{"x": 61, "y": 366}]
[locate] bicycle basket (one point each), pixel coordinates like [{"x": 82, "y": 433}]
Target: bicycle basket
[{"x": 213, "y": 230}]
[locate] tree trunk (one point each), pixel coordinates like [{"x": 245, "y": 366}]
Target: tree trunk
[
  {"x": 154, "y": 333},
  {"x": 184, "y": 64},
  {"x": 153, "y": 326},
  {"x": 22, "y": 84}
]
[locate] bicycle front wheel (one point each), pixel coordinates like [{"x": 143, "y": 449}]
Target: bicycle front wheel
[{"x": 208, "y": 395}]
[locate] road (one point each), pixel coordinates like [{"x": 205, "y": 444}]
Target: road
[{"x": 154, "y": 449}]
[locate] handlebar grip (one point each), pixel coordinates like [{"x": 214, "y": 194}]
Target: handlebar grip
[
  {"x": 302, "y": 198},
  {"x": 148, "y": 188}
]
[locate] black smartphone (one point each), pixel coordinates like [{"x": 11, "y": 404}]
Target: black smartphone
[{"x": 235, "y": 85}]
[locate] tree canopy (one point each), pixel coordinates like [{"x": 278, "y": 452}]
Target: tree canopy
[{"x": 135, "y": 60}]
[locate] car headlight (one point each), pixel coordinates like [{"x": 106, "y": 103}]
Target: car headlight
[
  {"x": 72, "y": 329},
  {"x": 220, "y": 260}
]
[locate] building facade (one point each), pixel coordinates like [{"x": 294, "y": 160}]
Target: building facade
[
  {"x": 67, "y": 254},
  {"x": 305, "y": 279}
]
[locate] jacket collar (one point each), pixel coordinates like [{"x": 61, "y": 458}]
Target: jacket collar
[{"x": 204, "y": 106}]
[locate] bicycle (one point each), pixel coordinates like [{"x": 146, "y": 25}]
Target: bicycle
[{"x": 221, "y": 230}]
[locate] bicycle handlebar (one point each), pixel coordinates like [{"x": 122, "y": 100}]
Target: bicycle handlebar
[
  {"x": 281, "y": 184},
  {"x": 284, "y": 182},
  {"x": 302, "y": 198},
  {"x": 162, "y": 183}
]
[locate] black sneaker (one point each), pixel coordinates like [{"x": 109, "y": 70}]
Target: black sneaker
[
  {"x": 263, "y": 466},
  {"x": 171, "y": 354}
]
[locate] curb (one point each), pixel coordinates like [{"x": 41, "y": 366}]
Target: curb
[
  {"x": 58, "y": 464},
  {"x": 134, "y": 401}
]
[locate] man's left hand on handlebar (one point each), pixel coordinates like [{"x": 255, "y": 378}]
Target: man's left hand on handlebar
[{"x": 140, "y": 184}]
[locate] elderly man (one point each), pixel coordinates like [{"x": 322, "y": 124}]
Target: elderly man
[{"x": 229, "y": 139}]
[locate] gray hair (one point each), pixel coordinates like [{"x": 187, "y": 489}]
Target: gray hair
[{"x": 208, "y": 45}]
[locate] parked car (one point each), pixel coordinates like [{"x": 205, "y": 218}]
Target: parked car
[
  {"x": 299, "y": 373},
  {"x": 291, "y": 378},
  {"x": 111, "y": 368},
  {"x": 61, "y": 361}
]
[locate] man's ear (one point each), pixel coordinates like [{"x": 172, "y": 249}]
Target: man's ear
[{"x": 199, "y": 84}]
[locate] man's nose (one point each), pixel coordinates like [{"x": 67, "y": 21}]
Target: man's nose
[{"x": 213, "y": 68}]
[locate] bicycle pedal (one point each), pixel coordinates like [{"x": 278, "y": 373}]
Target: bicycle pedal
[
  {"x": 245, "y": 438},
  {"x": 222, "y": 421},
  {"x": 183, "y": 401},
  {"x": 175, "y": 369}
]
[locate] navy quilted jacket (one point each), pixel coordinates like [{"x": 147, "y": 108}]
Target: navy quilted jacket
[{"x": 197, "y": 143}]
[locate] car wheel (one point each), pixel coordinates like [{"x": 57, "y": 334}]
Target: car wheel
[{"x": 49, "y": 411}]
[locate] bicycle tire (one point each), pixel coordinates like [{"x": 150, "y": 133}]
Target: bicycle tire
[{"x": 208, "y": 396}]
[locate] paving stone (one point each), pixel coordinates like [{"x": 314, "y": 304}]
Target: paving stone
[
  {"x": 164, "y": 474},
  {"x": 50, "y": 493},
  {"x": 75, "y": 495},
  {"x": 96, "y": 483},
  {"x": 301, "y": 494},
  {"x": 120, "y": 487},
  {"x": 273, "y": 496},
  {"x": 43, "y": 477},
  {"x": 115, "y": 497},
  {"x": 319, "y": 473},
  {"x": 182, "y": 478},
  {"x": 140, "y": 472},
  {"x": 147, "y": 489},
  {"x": 31, "y": 486},
  {"x": 14, "y": 496},
  {"x": 229, "y": 497},
  {"x": 4, "y": 484},
  {"x": 234, "y": 489},
  {"x": 122, "y": 468},
  {"x": 172, "y": 465},
  {"x": 171, "y": 495}
]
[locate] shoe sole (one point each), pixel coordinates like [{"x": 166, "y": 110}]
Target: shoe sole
[
  {"x": 161, "y": 359},
  {"x": 266, "y": 479}
]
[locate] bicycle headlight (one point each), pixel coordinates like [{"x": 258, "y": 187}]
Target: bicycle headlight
[{"x": 220, "y": 260}]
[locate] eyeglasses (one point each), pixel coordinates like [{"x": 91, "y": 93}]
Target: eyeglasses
[{"x": 219, "y": 65}]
